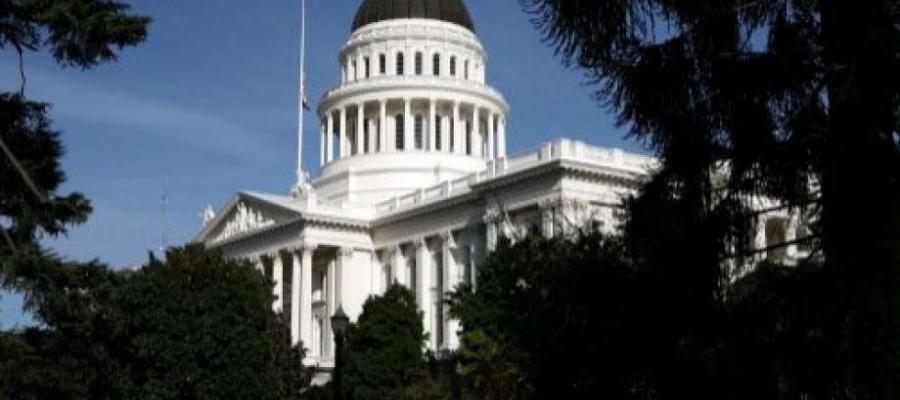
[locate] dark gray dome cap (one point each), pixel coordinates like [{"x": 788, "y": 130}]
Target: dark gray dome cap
[{"x": 454, "y": 11}]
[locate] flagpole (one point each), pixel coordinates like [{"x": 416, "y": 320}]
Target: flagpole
[{"x": 302, "y": 92}]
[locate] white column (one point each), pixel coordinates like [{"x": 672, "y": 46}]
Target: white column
[
  {"x": 306, "y": 318},
  {"x": 445, "y": 134},
  {"x": 344, "y": 260},
  {"x": 491, "y": 149},
  {"x": 453, "y": 277},
  {"x": 278, "y": 277},
  {"x": 457, "y": 128},
  {"x": 329, "y": 144},
  {"x": 408, "y": 143},
  {"x": 432, "y": 124},
  {"x": 322, "y": 139},
  {"x": 373, "y": 136},
  {"x": 296, "y": 271},
  {"x": 360, "y": 130},
  {"x": 397, "y": 266},
  {"x": 330, "y": 306},
  {"x": 344, "y": 151},
  {"x": 491, "y": 220},
  {"x": 546, "y": 209},
  {"x": 377, "y": 276},
  {"x": 382, "y": 127},
  {"x": 501, "y": 138},
  {"x": 476, "y": 128},
  {"x": 425, "y": 286}
]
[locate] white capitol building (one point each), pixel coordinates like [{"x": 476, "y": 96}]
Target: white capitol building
[{"x": 415, "y": 185}]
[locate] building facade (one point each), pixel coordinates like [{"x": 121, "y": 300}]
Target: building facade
[{"x": 415, "y": 186}]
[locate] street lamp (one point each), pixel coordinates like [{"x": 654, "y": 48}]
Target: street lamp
[{"x": 339, "y": 324}]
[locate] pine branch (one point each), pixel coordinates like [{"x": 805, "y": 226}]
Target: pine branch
[{"x": 22, "y": 172}]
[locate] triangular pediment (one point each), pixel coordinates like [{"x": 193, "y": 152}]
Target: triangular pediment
[{"x": 246, "y": 215}]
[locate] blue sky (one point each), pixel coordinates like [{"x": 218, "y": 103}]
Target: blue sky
[{"x": 207, "y": 107}]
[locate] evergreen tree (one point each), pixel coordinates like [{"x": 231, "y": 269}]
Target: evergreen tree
[
  {"x": 797, "y": 101},
  {"x": 78, "y": 33},
  {"x": 384, "y": 349},
  {"x": 194, "y": 327},
  {"x": 555, "y": 318}
]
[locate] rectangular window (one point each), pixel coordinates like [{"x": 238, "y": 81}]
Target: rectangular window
[
  {"x": 453, "y": 66},
  {"x": 399, "y": 132},
  {"x": 436, "y": 65},
  {"x": 365, "y": 136},
  {"x": 418, "y": 63},
  {"x": 437, "y": 133},
  {"x": 400, "y": 64},
  {"x": 367, "y": 68},
  {"x": 382, "y": 64}
]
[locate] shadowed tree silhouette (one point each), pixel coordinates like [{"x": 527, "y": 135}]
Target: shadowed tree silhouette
[{"x": 792, "y": 100}]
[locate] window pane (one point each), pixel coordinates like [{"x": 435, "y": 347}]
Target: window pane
[
  {"x": 418, "y": 63},
  {"x": 398, "y": 121},
  {"x": 453, "y": 66},
  {"x": 400, "y": 64},
  {"x": 437, "y": 65},
  {"x": 382, "y": 64},
  {"x": 437, "y": 133}
]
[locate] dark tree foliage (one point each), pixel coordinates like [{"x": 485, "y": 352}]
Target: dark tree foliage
[
  {"x": 794, "y": 100},
  {"x": 73, "y": 354},
  {"x": 554, "y": 318},
  {"x": 80, "y": 33},
  {"x": 384, "y": 351},
  {"x": 25, "y": 130},
  {"x": 193, "y": 327}
]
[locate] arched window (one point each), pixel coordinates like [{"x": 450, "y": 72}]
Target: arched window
[
  {"x": 436, "y": 64},
  {"x": 419, "y": 131},
  {"x": 400, "y": 64},
  {"x": 382, "y": 64},
  {"x": 466, "y": 72},
  {"x": 468, "y": 138},
  {"x": 437, "y": 132},
  {"x": 368, "y": 71},
  {"x": 353, "y": 71},
  {"x": 399, "y": 131},
  {"x": 418, "y": 63},
  {"x": 453, "y": 66}
]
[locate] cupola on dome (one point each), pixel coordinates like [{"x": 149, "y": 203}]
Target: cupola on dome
[{"x": 453, "y": 11}]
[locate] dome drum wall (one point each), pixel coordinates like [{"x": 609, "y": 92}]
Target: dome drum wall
[
  {"x": 377, "y": 177},
  {"x": 458, "y": 53}
]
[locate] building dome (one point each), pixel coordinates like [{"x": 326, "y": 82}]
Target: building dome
[
  {"x": 453, "y": 11},
  {"x": 413, "y": 108}
]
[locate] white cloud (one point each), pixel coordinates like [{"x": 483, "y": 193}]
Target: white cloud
[{"x": 137, "y": 115}]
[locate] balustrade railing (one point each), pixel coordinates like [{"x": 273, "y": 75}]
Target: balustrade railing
[{"x": 563, "y": 149}]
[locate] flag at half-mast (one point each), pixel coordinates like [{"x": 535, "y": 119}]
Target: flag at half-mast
[{"x": 304, "y": 100}]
